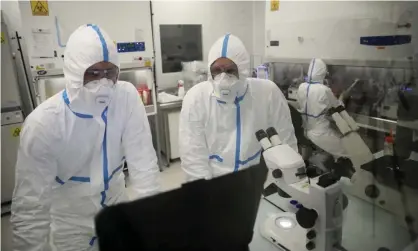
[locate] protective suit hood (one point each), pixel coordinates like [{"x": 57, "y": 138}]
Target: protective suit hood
[
  {"x": 317, "y": 71},
  {"x": 231, "y": 47},
  {"x": 86, "y": 46}
]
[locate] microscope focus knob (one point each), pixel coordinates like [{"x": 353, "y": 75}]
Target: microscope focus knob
[
  {"x": 306, "y": 217},
  {"x": 277, "y": 173},
  {"x": 310, "y": 245},
  {"x": 311, "y": 234}
]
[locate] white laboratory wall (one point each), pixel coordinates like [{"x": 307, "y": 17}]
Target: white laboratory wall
[
  {"x": 11, "y": 15},
  {"x": 332, "y": 29},
  {"x": 125, "y": 21},
  {"x": 259, "y": 24},
  {"x": 216, "y": 17}
]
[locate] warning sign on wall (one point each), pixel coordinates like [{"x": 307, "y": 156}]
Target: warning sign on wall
[
  {"x": 16, "y": 132},
  {"x": 39, "y": 8},
  {"x": 274, "y": 5},
  {"x": 3, "y": 40}
]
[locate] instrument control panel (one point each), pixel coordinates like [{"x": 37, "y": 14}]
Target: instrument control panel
[{"x": 130, "y": 47}]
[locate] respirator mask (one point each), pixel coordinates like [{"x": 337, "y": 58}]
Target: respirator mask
[
  {"x": 101, "y": 90},
  {"x": 228, "y": 86},
  {"x": 94, "y": 96}
]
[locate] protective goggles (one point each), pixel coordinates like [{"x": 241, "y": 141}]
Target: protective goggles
[
  {"x": 111, "y": 73},
  {"x": 228, "y": 69}
]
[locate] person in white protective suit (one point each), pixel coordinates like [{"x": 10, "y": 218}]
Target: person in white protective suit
[
  {"x": 314, "y": 100},
  {"x": 73, "y": 147},
  {"x": 220, "y": 116}
]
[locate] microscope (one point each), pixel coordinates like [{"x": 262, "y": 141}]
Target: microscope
[
  {"x": 317, "y": 223},
  {"x": 385, "y": 181}
]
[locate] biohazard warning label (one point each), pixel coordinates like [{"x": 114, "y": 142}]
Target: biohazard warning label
[
  {"x": 16, "y": 132},
  {"x": 39, "y": 8},
  {"x": 274, "y": 5}
]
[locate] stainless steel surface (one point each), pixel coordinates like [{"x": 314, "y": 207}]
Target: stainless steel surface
[
  {"x": 164, "y": 109},
  {"x": 14, "y": 64},
  {"x": 12, "y": 102},
  {"x": 10, "y": 141},
  {"x": 170, "y": 105},
  {"x": 10, "y": 96},
  {"x": 12, "y": 117},
  {"x": 48, "y": 87}
]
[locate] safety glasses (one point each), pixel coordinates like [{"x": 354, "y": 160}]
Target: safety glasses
[
  {"x": 228, "y": 69},
  {"x": 93, "y": 74}
]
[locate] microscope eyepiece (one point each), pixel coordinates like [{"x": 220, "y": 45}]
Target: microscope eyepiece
[
  {"x": 273, "y": 136},
  {"x": 271, "y": 132},
  {"x": 261, "y": 134},
  {"x": 263, "y": 139}
]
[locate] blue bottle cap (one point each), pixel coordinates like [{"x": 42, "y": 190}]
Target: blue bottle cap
[{"x": 293, "y": 202}]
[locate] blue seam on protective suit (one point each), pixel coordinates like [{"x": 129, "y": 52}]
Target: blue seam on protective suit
[
  {"x": 238, "y": 139},
  {"x": 250, "y": 158},
  {"x": 80, "y": 179},
  {"x": 225, "y": 46},
  {"x": 104, "y": 149},
  {"x": 314, "y": 116},
  {"x": 103, "y": 194},
  {"x": 310, "y": 74},
  {"x": 73, "y": 178},
  {"x": 217, "y": 157},
  {"x": 102, "y": 40},
  {"x": 104, "y": 117},
  {"x": 67, "y": 102},
  {"x": 58, "y": 180},
  {"x": 115, "y": 171},
  {"x": 239, "y": 99},
  {"x": 238, "y": 134},
  {"x": 309, "y": 85},
  {"x": 92, "y": 240}
]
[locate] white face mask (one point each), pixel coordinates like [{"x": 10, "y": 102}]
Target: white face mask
[
  {"x": 101, "y": 90},
  {"x": 227, "y": 87},
  {"x": 93, "y": 97}
]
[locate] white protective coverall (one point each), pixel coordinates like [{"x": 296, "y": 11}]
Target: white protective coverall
[
  {"x": 314, "y": 100},
  {"x": 218, "y": 137},
  {"x": 72, "y": 152}
]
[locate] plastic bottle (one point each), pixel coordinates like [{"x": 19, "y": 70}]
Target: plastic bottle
[
  {"x": 388, "y": 145},
  {"x": 143, "y": 92},
  {"x": 181, "y": 89},
  {"x": 140, "y": 92}
]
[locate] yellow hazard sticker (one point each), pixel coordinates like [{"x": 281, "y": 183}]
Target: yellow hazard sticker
[
  {"x": 274, "y": 5},
  {"x": 16, "y": 131},
  {"x": 3, "y": 39},
  {"x": 40, "y": 67},
  {"x": 39, "y": 8},
  {"x": 147, "y": 63}
]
